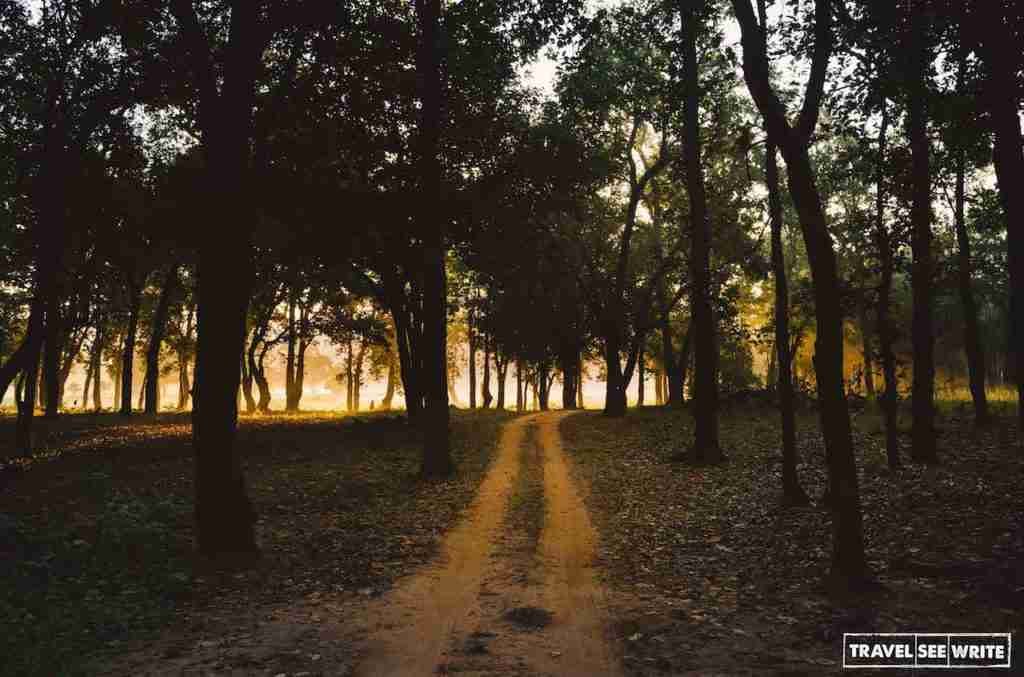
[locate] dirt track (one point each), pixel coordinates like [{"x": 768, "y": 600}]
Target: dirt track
[{"x": 453, "y": 616}]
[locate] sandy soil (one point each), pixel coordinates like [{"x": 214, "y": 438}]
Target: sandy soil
[{"x": 453, "y": 615}]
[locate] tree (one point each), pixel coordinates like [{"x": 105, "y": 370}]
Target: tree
[
  {"x": 705, "y": 383},
  {"x": 849, "y": 566}
]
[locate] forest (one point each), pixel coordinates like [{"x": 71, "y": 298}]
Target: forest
[{"x": 532, "y": 337}]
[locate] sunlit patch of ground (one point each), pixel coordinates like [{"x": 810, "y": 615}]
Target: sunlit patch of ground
[
  {"x": 713, "y": 574},
  {"x": 96, "y": 532}
]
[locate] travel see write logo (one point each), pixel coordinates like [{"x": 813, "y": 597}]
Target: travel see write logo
[{"x": 926, "y": 649}]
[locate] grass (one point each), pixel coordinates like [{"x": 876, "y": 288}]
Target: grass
[{"x": 96, "y": 538}]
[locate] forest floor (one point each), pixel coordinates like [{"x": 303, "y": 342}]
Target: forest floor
[
  {"x": 712, "y": 576},
  {"x": 567, "y": 545}
]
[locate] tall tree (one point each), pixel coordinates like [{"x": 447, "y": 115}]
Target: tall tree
[
  {"x": 923, "y": 447},
  {"x": 437, "y": 460},
  {"x": 995, "y": 28},
  {"x": 705, "y": 382},
  {"x": 849, "y": 565}
]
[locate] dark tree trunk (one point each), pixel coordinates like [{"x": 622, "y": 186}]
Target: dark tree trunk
[
  {"x": 570, "y": 377},
  {"x": 437, "y": 460},
  {"x": 684, "y": 363},
  {"x": 674, "y": 367},
  {"x": 998, "y": 44},
  {"x": 659, "y": 393},
  {"x": 520, "y": 404},
  {"x": 501, "y": 370},
  {"x": 289, "y": 365},
  {"x": 849, "y": 565},
  {"x": 923, "y": 447},
  {"x": 972, "y": 336},
  {"x": 883, "y": 310},
  {"x": 487, "y": 396},
  {"x": 543, "y": 385},
  {"x": 350, "y": 373},
  {"x": 866, "y": 351},
  {"x": 53, "y": 348},
  {"x": 471, "y": 331},
  {"x": 116, "y": 369},
  {"x": 409, "y": 371},
  {"x": 640, "y": 379},
  {"x": 389, "y": 392},
  {"x": 128, "y": 352},
  {"x": 357, "y": 376},
  {"x": 184, "y": 387},
  {"x": 250, "y": 401},
  {"x": 223, "y": 512},
  {"x": 156, "y": 339},
  {"x": 705, "y": 391},
  {"x": 26, "y": 407},
  {"x": 579, "y": 382},
  {"x": 792, "y": 492},
  {"x": 615, "y": 387}
]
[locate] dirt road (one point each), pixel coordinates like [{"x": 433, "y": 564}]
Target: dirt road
[{"x": 500, "y": 600}]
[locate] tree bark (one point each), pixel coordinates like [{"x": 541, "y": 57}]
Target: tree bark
[
  {"x": 156, "y": 339},
  {"x": 224, "y": 514},
  {"x": 128, "y": 351},
  {"x": 792, "y": 492},
  {"x": 289, "y": 366},
  {"x": 471, "y": 331},
  {"x": 389, "y": 392},
  {"x": 890, "y": 397},
  {"x": 487, "y": 396},
  {"x": 923, "y": 443},
  {"x": 972, "y": 336},
  {"x": 437, "y": 460},
  {"x": 640, "y": 379},
  {"x": 849, "y": 565},
  {"x": 866, "y": 351},
  {"x": 997, "y": 44},
  {"x": 705, "y": 391}
]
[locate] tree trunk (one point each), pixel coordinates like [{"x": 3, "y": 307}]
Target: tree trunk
[
  {"x": 579, "y": 382},
  {"x": 615, "y": 388},
  {"x": 640, "y": 379},
  {"x": 569, "y": 363},
  {"x": 53, "y": 347},
  {"x": 156, "y": 338},
  {"x": 849, "y": 566},
  {"x": 659, "y": 394},
  {"x": 128, "y": 352},
  {"x": 501, "y": 370},
  {"x": 389, "y": 392},
  {"x": 923, "y": 443},
  {"x": 96, "y": 363},
  {"x": 890, "y": 396},
  {"x": 350, "y": 373},
  {"x": 998, "y": 44},
  {"x": 684, "y": 364},
  {"x": 437, "y": 460},
  {"x": 866, "y": 351},
  {"x": 705, "y": 400},
  {"x": 471, "y": 331},
  {"x": 972, "y": 336},
  {"x": 520, "y": 404},
  {"x": 184, "y": 387},
  {"x": 487, "y": 396},
  {"x": 792, "y": 492},
  {"x": 289, "y": 365},
  {"x": 357, "y": 376},
  {"x": 542, "y": 386},
  {"x": 250, "y": 401}
]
